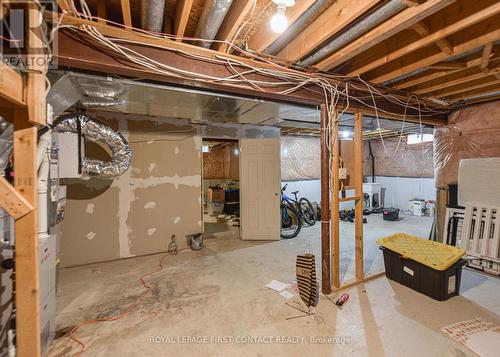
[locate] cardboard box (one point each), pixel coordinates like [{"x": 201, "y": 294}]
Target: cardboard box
[
  {"x": 215, "y": 194},
  {"x": 215, "y": 208}
]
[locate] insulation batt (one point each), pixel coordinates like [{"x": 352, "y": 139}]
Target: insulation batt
[
  {"x": 399, "y": 160},
  {"x": 300, "y": 158},
  {"x": 473, "y": 132},
  {"x": 120, "y": 149}
]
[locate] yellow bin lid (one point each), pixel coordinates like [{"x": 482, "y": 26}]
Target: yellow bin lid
[{"x": 436, "y": 255}]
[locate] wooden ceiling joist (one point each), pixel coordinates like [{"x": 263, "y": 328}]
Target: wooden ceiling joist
[
  {"x": 397, "y": 23},
  {"x": 405, "y": 68},
  {"x": 101, "y": 11},
  {"x": 264, "y": 37},
  {"x": 126, "y": 13},
  {"x": 442, "y": 43},
  {"x": 339, "y": 15},
  {"x": 89, "y": 56},
  {"x": 446, "y": 83},
  {"x": 485, "y": 58},
  {"x": 431, "y": 38},
  {"x": 181, "y": 17},
  {"x": 468, "y": 87},
  {"x": 237, "y": 13},
  {"x": 471, "y": 93}
]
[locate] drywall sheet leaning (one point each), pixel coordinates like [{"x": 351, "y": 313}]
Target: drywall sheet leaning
[{"x": 472, "y": 132}]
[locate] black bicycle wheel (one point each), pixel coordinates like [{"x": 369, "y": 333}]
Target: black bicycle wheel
[
  {"x": 290, "y": 222},
  {"x": 307, "y": 211}
]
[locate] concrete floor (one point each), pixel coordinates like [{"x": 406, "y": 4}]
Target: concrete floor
[{"x": 220, "y": 291}]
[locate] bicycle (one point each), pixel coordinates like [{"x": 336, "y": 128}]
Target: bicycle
[
  {"x": 291, "y": 221},
  {"x": 301, "y": 208}
]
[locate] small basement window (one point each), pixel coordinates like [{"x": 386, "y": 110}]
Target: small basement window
[{"x": 419, "y": 138}]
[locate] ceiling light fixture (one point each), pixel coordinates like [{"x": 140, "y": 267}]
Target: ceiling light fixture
[{"x": 279, "y": 22}]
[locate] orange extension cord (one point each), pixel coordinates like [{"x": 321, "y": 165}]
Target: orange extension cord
[{"x": 148, "y": 289}]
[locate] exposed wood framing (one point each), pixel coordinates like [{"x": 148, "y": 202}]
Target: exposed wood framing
[
  {"x": 467, "y": 88},
  {"x": 81, "y": 53},
  {"x": 12, "y": 201},
  {"x": 326, "y": 282},
  {"x": 27, "y": 265},
  {"x": 399, "y": 22},
  {"x": 35, "y": 85},
  {"x": 263, "y": 37},
  {"x": 447, "y": 81},
  {"x": 436, "y": 37},
  {"x": 335, "y": 188},
  {"x": 476, "y": 90},
  {"x": 442, "y": 43},
  {"x": 485, "y": 58},
  {"x": 11, "y": 85},
  {"x": 126, "y": 13},
  {"x": 340, "y": 14},
  {"x": 436, "y": 58},
  {"x": 435, "y": 75},
  {"x": 448, "y": 66},
  {"x": 64, "y": 5},
  {"x": 237, "y": 13},
  {"x": 358, "y": 193},
  {"x": 181, "y": 17},
  {"x": 101, "y": 11}
]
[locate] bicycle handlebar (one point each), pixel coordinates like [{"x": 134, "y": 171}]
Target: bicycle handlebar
[{"x": 284, "y": 187}]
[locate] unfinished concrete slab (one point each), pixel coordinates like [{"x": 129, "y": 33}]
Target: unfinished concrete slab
[{"x": 217, "y": 297}]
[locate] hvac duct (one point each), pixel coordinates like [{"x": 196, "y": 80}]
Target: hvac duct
[
  {"x": 210, "y": 20},
  {"x": 296, "y": 27},
  {"x": 376, "y": 17},
  {"x": 121, "y": 154},
  {"x": 152, "y": 15}
]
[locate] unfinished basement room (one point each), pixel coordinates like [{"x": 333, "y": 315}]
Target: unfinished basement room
[{"x": 249, "y": 178}]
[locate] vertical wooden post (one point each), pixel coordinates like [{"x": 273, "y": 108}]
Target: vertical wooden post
[
  {"x": 358, "y": 192},
  {"x": 442, "y": 202},
  {"x": 26, "y": 244},
  {"x": 335, "y": 161},
  {"x": 325, "y": 205},
  {"x": 35, "y": 84}
]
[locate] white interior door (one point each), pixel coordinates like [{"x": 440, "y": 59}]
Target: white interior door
[{"x": 260, "y": 180}]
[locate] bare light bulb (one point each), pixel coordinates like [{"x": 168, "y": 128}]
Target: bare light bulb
[{"x": 279, "y": 22}]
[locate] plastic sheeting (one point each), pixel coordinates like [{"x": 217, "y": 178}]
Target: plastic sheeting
[
  {"x": 479, "y": 182},
  {"x": 399, "y": 160},
  {"x": 473, "y": 132},
  {"x": 300, "y": 158}
]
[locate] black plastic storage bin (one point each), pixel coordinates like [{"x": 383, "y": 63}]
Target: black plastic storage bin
[{"x": 437, "y": 284}]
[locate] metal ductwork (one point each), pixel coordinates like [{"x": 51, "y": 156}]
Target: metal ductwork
[
  {"x": 121, "y": 153},
  {"x": 210, "y": 20},
  {"x": 152, "y": 15},
  {"x": 294, "y": 29},
  {"x": 367, "y": 23}
]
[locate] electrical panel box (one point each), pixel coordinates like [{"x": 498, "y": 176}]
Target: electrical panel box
[{"x": 69, "y": 155}]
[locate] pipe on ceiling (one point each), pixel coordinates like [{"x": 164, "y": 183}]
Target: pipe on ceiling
[
  {"x": 152, "y": 15},
  {"x": 361, "y": 27},
  {"x": 295, "y": 28},
  {"x": 210, "y": 20}
]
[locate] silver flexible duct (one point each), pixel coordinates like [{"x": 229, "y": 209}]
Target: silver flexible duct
[
  {"x": 152, "y": 12},
  {"x": 295, "y": 28},
  {"x": 376, "y": 17},
  {"x": 120, "y": 149},
  {"x": 210, "y": 20}
]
